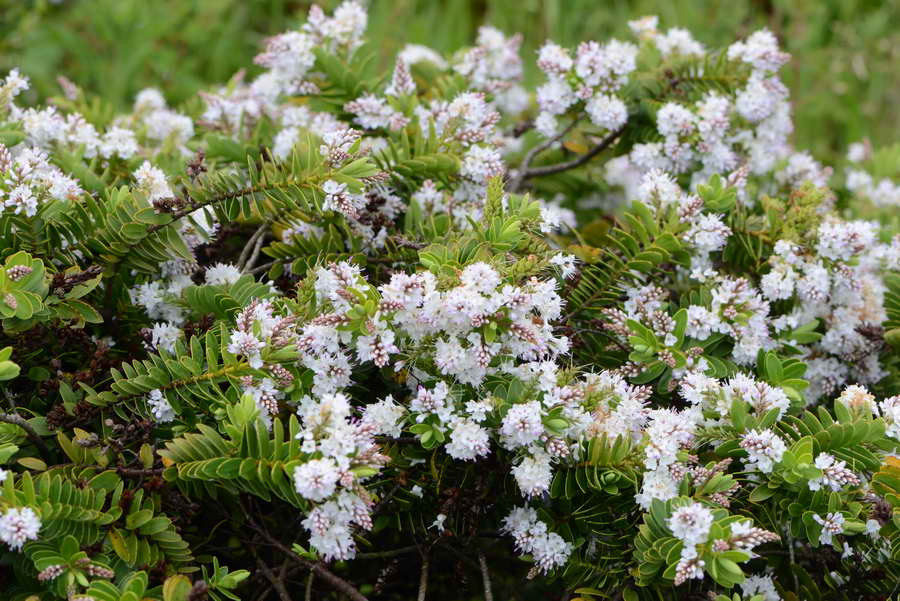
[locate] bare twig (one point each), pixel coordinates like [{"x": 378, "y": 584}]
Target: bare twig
[
  {"x": 485, "y": 577},
  {"x": 516, "y": 183},
  {"x": 321, "y": 571},
  {"x": 33, "y": 436},
  {"x": 577, "y": 162},
  {"x": 137, "y": 472},
  {"x": 423, "y": 579},
  {"x": 263, "y": 267},
  {"x": 404, "y": 242},
  {"x": 790, "y": 542},
  {"x": 256, "y": 248},
  {"x": 277, "y": 583},
  {"x": 264, "y": 593},
  {"x": 253, "y": 243},
  {"x": 10, "y": 398},
  {"x": 309, "y": 583},
  {"x": 387, "y": 554},
  {"x": 384, "y": 501}
]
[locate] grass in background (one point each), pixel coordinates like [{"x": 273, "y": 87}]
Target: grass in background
[{"x": 843, "y": 78}]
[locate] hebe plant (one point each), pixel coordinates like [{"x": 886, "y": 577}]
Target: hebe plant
[{"x": 331, "y": 323}]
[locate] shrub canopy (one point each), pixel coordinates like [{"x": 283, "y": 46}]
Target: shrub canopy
[{"x": 614, "y": 335}]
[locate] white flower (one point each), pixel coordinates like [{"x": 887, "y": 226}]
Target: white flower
[
  {"x": 548, "y": 549},
  {"x": 873, "y": 528},
  {"x": 289, "y": 56},
  {"x": 708, "y": 233},
  {"x": 858, "y": 152},
  {"x": 675, "y": 120},
  {"x": 316, "y": 479},
  {"x": 222, "y": 274},
  {"x": 164, "y": 335},
  {"x": 555, "y": 96},
  {"x": 165, "y": 124},
  {"x": 118, "y": 141},
  {"x": 149, "y": 99},
  {"x": 159, "y": 406},
  {"x": 19, "y": 525},
  {"x": 691, "y": 523},
  {"x": 678, "y": 41},
  {"x": 385, "y": 417},
  {"x": 660, "y": 188},
  {"x": 759, "y": 50},
  {"x": 15, "y": 83},
  {"x": 248, "y": 345},
  {"x": 22, "y": 200},
  {"x": 832, "y": 523},
  {"x": 554, "y": 59},
  {"x": 759, "y": 585},
  {"x": 764, "y": 448},
  {"x": 371, "y": 111},
  {"x": 153, "y": 181},
  {"x": 607, "y": 111},
  {"x": 657, "y": 484},
  {"x": 835, "y": 474},
  {"x": 566, "y": 264},
  {"x": 546, "y": 124},
  {"x": 857, "y": 397},
  {"x": 533, "y": 474},
  {"x": 890, "y": 409},
  {"x": 478, "y": 410},
  {"x": 522, "y": 424},
  {"x": 645, "y": 27},
  {"x": 480, "y": 277},
  {"x": 416, "y": 53},
  {"x": 468, "y": 441},
  {"x": 758, "y": 100},
  {"x": 848, "y": 551},
  {"x": 438, "y": 522},
  {"x": 331, "y": 525},
  {"x": 482, "y": 163}
]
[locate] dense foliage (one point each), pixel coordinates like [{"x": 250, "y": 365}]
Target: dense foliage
[{"x": 614, "y": 337}]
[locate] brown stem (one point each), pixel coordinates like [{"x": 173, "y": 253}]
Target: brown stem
[
  {"x": 384, "y": 500},
  {"x": 485, "y": 577},
  {"x": 516, "y": 183},
  {"x": 317, "y": 567},
  {"x": 423, "y": 579},
  {"x": 309, "y": 583},
  {"x": 260, "y": 232},
  {"x": 136, "y": 472},
  {"x": 33, "y": 436},
  {"x": 577, "y": 162},
  {"x": 190, "y": 208},
  {"x": 387, "y": 554},
  {"x": 264, "y": 267},
  {"x": 255, "y": 255},
  {"x": 277, "y": 583}
]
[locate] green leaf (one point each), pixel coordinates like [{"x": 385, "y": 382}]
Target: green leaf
[
  {"x": 761, "y": 493},
  {"x": 139, "y": 518},
  {"x": 32, "y": 463},
  {"x": 176, "y": 588}
]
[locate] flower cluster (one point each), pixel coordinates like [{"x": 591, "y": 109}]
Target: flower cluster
[
  {"x": 548, "y": 549},
  {"x": 315, "y": 288},
  {"x": 589, "y": 79},
  {"x": 18, "y": 526}
]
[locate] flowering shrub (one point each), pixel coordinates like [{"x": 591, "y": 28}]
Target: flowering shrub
[{"x": 320, "y": 323}]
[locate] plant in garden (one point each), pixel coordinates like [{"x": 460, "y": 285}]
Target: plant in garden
[{"x": 318, "y": 321}]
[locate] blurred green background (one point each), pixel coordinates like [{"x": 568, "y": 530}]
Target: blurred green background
[{"x": 843, "y": 77}]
